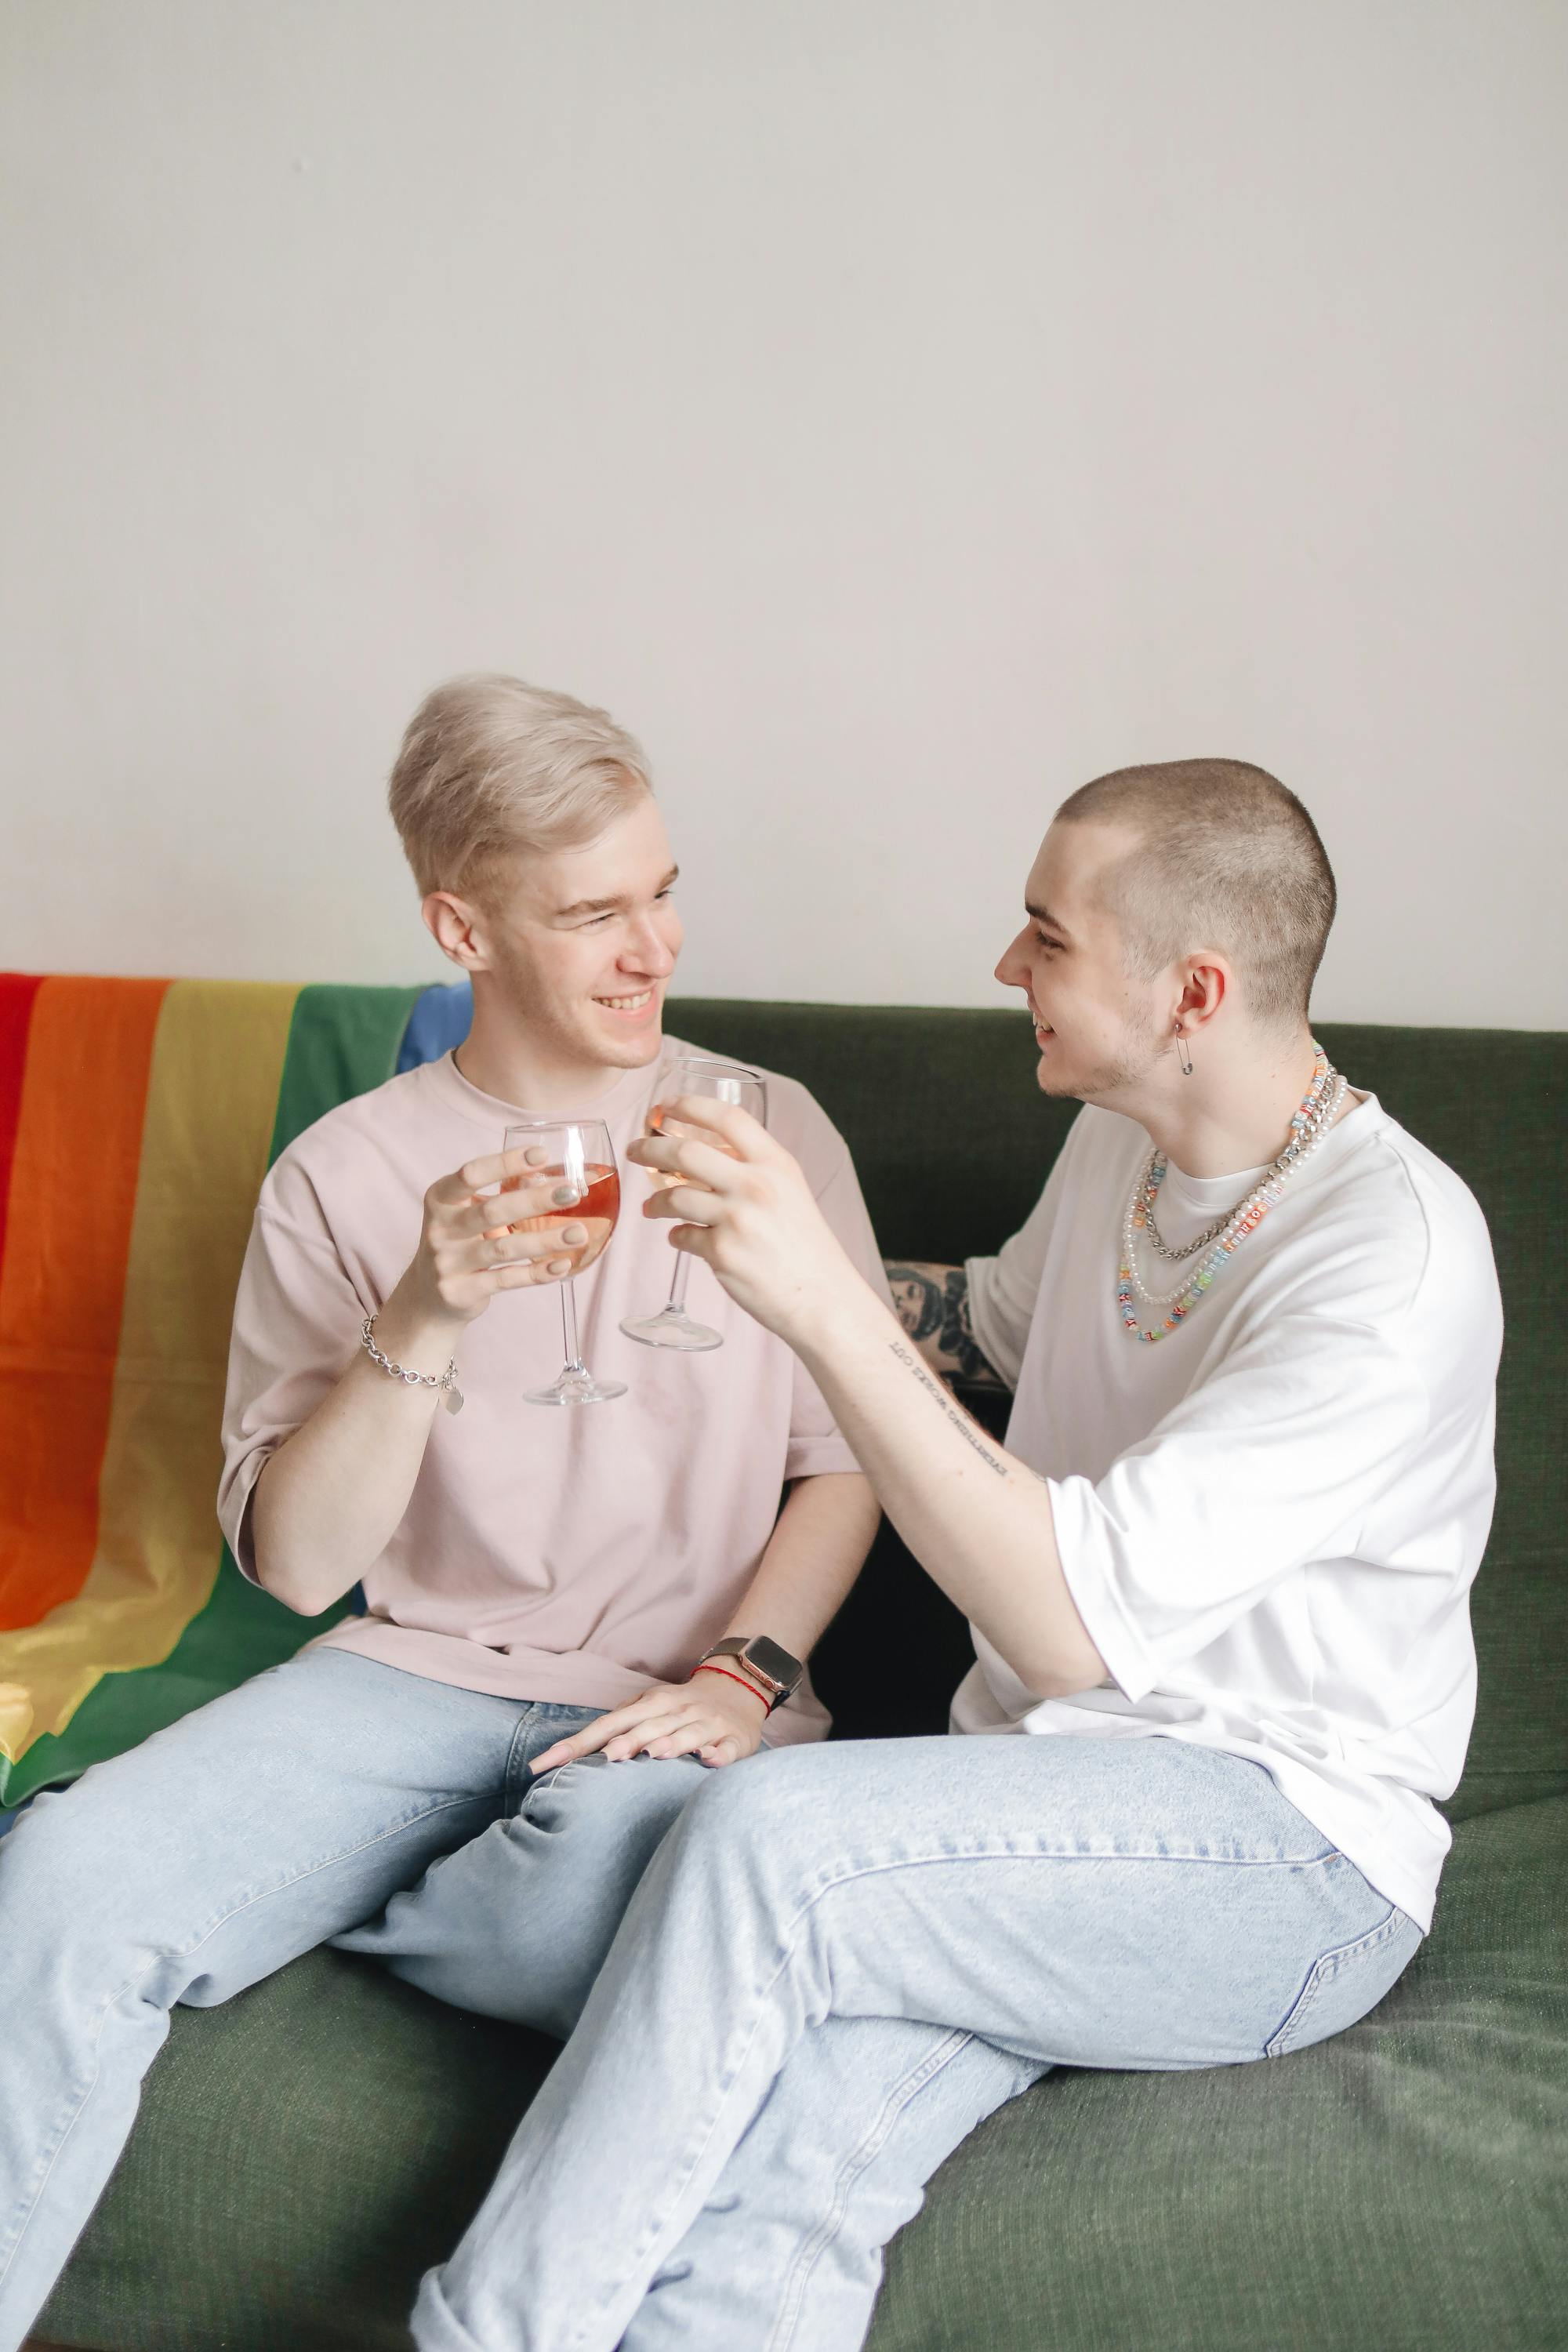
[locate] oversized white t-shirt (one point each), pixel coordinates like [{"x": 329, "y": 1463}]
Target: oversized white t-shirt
[
  {"x": 571, "y": 1556},
  {"x": 1270, "y": 1520}
]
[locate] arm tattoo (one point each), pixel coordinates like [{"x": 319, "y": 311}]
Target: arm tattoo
[
  {"x": 930, "y": 1309},
  {"x": 918, "y": 1299},
  {"x": 959, "y": 1420},
  {"x": 957, "y": 1332}
]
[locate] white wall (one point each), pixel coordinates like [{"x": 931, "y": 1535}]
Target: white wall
[{"x": 896, "y": 410}]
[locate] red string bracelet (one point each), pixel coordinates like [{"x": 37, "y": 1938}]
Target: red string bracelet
[{"x": 745, "y": 1681}]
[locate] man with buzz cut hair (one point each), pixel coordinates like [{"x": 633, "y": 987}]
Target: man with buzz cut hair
[
  {"x": 1217, "y": 1578},
  {"x": 647, "y": 1576}
]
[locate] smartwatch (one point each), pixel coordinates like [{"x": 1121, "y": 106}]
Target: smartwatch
[{"x": 766, "y": 1664}]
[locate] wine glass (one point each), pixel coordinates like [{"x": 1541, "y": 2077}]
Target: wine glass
[
  {"x": 579, "y": 1153},
  {"x": 726, "y": 1082}
]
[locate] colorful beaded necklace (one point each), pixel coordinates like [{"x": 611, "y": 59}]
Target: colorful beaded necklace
[{"x": 1309, "y": 1125}]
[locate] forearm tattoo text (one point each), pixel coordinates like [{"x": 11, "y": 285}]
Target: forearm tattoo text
[{"x": 956, "y": 1414}]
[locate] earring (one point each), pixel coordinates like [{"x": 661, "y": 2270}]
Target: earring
[{"x": 1185, "y": 1054}]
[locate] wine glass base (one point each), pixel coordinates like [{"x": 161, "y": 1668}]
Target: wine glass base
[
  {"x": 672, "y": 1327},
  {"x": 577, "y": 1388}
]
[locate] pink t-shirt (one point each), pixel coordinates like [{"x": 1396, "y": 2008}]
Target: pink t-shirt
[{"x": 571, "y": 1555}]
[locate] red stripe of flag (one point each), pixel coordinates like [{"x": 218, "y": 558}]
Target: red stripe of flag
[{"x": 18, "y": 990}]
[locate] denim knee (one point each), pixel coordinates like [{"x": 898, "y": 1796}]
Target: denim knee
[{"x": 628, "y": 1804}]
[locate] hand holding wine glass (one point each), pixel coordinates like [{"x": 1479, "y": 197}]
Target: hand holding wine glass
[
  {"x": 691, "y": 1076},
  {"x": 466, "y": 1254},
  {"x": 748, "y": 1210}
]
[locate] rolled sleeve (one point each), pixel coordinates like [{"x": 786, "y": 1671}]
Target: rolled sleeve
[{"x": 1273, "y": 1464}]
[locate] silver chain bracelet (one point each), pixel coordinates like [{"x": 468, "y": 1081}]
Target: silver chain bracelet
[{"x": 446, "y": 1381}]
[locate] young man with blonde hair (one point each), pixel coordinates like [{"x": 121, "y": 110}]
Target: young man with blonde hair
[
  {"x": 1217, "y": 1578},
  {"x": 528, "y": 1575}
]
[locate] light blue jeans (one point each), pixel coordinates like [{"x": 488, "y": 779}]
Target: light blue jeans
[
  {"x": 518, "y": 1922},
  {"x": 220, "y": 1849},
  {"x": 841, "y": 1961}
]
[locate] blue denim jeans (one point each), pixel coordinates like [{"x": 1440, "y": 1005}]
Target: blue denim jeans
[
  {"x": 250, "y": 1832},
  {"x": 841, "y": 1960},
  {"x": 517, "y": 1923}
]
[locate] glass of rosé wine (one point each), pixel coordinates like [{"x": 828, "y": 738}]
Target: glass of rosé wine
[
  {"x": 578, "y": 1153},
  {"x": 726, "y": 1082}
]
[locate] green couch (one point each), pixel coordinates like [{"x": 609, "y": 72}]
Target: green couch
[{"x": 304, "y": 2152}]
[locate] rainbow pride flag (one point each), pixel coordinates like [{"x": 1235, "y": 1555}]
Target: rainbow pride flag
[{"x": 137, "y": 1119}]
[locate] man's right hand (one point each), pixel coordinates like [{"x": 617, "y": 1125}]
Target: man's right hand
[{"x": 470, "y": 1246}]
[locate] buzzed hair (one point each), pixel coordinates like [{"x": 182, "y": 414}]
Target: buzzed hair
[{"x": 1225, "y": 857}]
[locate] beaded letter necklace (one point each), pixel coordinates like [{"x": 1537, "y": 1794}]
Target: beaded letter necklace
[{"x": 1319, "y": 1109}]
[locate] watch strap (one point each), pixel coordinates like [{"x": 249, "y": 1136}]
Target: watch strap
[{"x": 734, "y": 1650}]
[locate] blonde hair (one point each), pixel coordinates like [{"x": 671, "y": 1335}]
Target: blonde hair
[
  {"x": 490, "y": 768},
  {"x": 1226, "y": 857}
]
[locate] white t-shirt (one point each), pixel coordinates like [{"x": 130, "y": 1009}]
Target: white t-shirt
[{"x": 1270, "y": 1519}]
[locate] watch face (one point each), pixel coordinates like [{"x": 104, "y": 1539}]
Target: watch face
[{"x": 774, "y": 1662}]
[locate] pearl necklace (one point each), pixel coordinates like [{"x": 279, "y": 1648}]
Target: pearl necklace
[{"x": 1319, "y": 1109}]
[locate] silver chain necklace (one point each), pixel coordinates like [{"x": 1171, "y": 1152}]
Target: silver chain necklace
[
  {"x": 1322, "y": 1106},
  {"x": 1161, "y": 1247},
  {"x": 1323, "y": 1077}
]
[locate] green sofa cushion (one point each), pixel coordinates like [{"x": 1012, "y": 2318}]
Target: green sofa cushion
[
  {"x": 303, "y": 2155},
  {"x": 306, "y": 2151}
]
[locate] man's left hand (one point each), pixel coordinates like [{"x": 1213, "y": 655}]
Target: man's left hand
[
  {"x": 710, "y": 1717},
  {"x": 747, "y": 1210}
]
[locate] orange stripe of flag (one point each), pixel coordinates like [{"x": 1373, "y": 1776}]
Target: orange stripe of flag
[{"x": 62, "y": 1282}]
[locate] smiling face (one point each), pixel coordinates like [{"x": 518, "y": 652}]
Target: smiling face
[
  {"x": 581, "y": 945},
  {"x": 1100, "y": 1030}
]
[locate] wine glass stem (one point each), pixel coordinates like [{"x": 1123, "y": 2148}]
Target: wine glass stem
[
  {"x": 677, "y": 1302},
  {"x": 569, "y": 1327}
]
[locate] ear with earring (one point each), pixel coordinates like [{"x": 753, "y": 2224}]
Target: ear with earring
[{"x": 1184, "y": 1054}]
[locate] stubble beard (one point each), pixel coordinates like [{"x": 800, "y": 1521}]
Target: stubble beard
[{"x": 1122, "y": 1074}]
